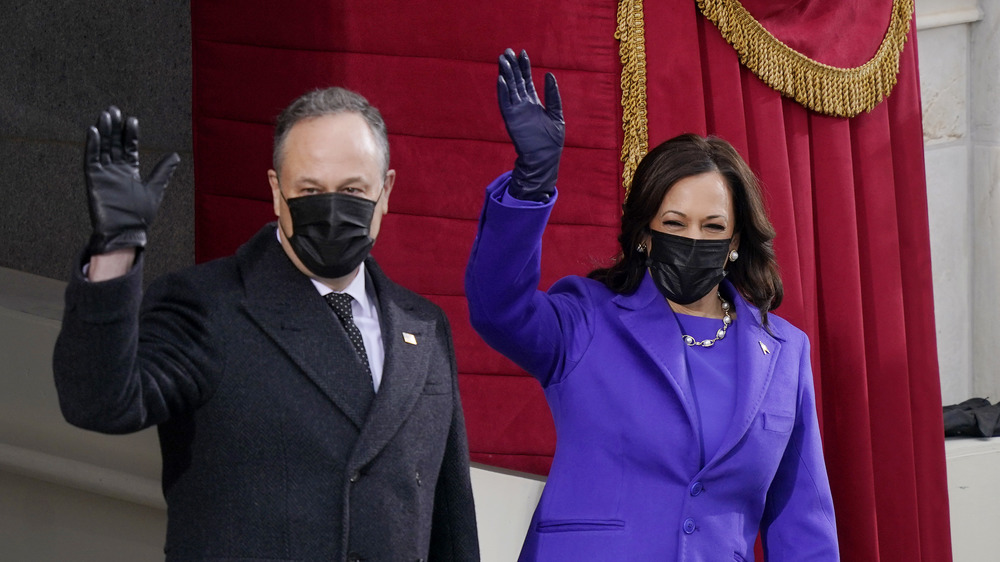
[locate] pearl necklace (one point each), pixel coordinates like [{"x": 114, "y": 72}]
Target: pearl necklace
[{"x": 726, "y": 321}]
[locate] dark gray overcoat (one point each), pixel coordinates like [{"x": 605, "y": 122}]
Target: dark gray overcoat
[{"x": 274, "y": 445}]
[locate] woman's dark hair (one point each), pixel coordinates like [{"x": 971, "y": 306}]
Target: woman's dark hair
[{"x": 754, "y": 274}]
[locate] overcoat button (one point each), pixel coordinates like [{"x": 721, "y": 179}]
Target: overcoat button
[
  {"x": 689, "y": 526},
  {"x": 355, "y": 477},
  {"x": 697, "y": 488}
]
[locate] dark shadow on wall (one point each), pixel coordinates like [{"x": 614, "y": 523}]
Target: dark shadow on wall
[{"x": 63, "y": 63}]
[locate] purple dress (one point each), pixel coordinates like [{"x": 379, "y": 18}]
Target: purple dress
[{"x": 711, "y": 372}]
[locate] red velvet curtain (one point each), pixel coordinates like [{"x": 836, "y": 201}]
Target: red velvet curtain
[{"x": 847, "y": 197}]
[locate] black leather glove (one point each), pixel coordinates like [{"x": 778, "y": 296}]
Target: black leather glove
[
  {"x": 122, "y": 206},
  {"x": 537, "y": 131}
]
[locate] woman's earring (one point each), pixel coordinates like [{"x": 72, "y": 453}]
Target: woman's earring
[
  {"x": 641, "y": 248},
  {"x": 734, "y": 255}
]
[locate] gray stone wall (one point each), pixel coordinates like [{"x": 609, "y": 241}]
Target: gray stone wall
[{"x": 63, "y": 62}]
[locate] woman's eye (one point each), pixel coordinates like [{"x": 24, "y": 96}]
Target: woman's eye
[
  {"x": 715, "y": 227},
  {"x": 673, "y": 224}
]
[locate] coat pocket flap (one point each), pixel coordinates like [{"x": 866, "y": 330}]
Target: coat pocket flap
[
  {"x": 781, "y": 423},
  {"x": 565, "y": 525}
]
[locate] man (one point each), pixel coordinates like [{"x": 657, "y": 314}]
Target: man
[{"x": 295, "y": 422}]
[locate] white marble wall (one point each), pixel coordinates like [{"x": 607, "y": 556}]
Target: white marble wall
[
  {"x": 984, "y": 126},
  {"x": 963, "y": 255}
]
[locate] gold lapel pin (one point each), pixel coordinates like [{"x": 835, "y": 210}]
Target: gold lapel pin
[
  {"x": 764, "y": 348},
  {"x": 409, "y": 338}
]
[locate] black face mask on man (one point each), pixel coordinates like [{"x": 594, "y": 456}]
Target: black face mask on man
[
  {"x": 330, "y": 232},
  {"x": 686, "y": 269}
]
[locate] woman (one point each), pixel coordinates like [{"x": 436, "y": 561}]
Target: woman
[{"x": 684, "y": 411}]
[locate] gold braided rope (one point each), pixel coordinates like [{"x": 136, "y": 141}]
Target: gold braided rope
[
  {"x": 632, "y": 50},
  {"x": 843, "y": 92}
]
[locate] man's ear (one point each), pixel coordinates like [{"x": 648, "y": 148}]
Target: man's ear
[
  {"x": 390, "y": 179},
  {"x": 272, "y": 178}
]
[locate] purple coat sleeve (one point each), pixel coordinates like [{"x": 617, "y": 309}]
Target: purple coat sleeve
[{"x": 540, "y": 332}]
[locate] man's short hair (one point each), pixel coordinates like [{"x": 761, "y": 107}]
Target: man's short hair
[{"x": 329, "y": 101}]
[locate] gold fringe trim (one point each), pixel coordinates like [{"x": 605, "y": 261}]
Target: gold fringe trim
[
  {"x": 632, "y": 50},
  {"x": 843, "y": 92}
]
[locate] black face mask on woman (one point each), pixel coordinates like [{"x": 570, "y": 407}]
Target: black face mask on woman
[
  {"x": 685, "y": 269},
  {"x": 330, "y": 232}
]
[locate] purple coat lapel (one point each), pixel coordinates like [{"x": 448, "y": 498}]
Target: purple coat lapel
[
  {"x": 648, "y": 316},
  {"x": 755, "y": 368}
]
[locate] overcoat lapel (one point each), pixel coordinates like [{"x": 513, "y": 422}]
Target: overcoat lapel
[
  {"x": 405, "y": 369},
  {"x": 757, "y": 355},
  {"x": 649, "y": 318},
  {"x": 286, "y": 305}
]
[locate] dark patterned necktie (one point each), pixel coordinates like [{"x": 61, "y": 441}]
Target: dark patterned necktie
[{"x": 341, "y": 305}]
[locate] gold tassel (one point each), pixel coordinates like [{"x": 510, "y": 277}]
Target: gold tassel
[
  {"x": 842, "y": 92},
  {"x": 632, "y": 50}
]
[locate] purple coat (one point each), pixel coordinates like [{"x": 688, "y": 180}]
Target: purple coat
[{"x": 627, "y": 481}]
